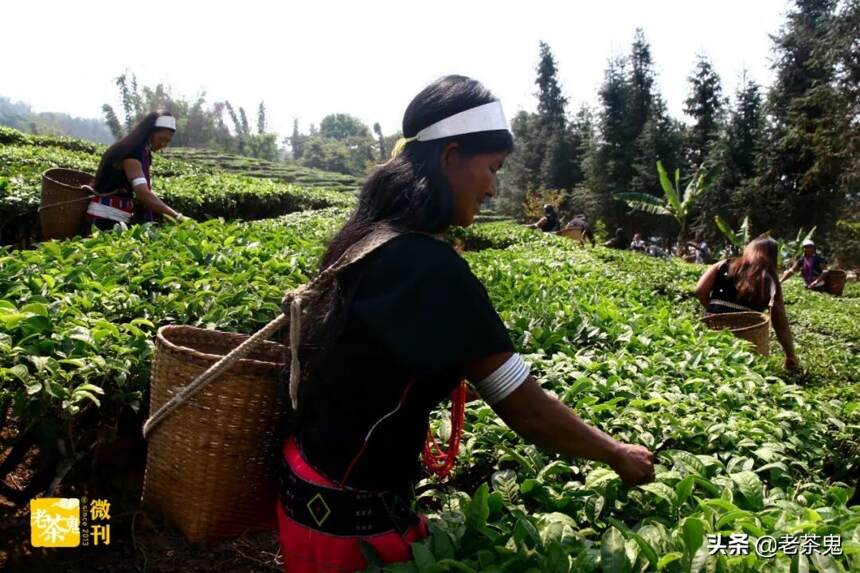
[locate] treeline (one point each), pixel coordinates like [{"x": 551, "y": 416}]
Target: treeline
[
  {"x": 341, "y": 143},
  {"x": 197, "y": 124},
  {"x": 20, "y": 116},
  {"x": 786, "y": 156}
]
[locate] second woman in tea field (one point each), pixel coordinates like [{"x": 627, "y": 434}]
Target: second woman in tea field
[
  {"x": 749, "y": 283},
  {"x": 123, "y": 175}
]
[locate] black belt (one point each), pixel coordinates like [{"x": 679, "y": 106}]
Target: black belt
[{"x": 342, "y": 512}]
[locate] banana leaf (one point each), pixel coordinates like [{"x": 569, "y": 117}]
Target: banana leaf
[
  {"x": 671, "y": 191},
  {"x": 645, "y": 202}
]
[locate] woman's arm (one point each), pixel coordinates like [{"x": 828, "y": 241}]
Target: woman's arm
[
  {"x": 549, "y": 424},
  {"x": 790, "y": 271},
  {"x": 134, "y": 170},
  {"x": 819, "y": 280},
  {"x": 783, "y": 330},
  {"x": 706, "y": 283}
]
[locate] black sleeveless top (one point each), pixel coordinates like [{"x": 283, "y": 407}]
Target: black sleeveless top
[
  {"x": 551, "y": 225},
  {"x": 724, "y": 290},
  {"x": 115, "y": 179},
  {"x": 415, "y": 315}
]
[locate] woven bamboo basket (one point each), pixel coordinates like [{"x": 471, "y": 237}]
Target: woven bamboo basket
[
  {"x": 575, "y": 234},
  {"x": 210, "y": 465},
  {"x": 834, "y": 281},
  {"x": 64, "y": 202},
  {"x": 752, "y": 326}
]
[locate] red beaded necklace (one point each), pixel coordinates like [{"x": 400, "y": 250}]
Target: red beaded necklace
[{"x": 436, "y": 460}]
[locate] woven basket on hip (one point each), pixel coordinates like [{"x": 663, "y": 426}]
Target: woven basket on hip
[
  {"x": 210, "y": 466},
  {"x": 575, "y": 234},
  {"x": 65, "y": 196},
  {"x": 834, "y": 281},
  {"x": 752, "y": 326}
]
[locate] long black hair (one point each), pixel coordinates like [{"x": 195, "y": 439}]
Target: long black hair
[
  {"x": 411, "y": 192},
  {"x": 136, "y": 139}
]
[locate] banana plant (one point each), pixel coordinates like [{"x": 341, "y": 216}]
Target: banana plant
[
  {"x": 676, "y": 204},
  {"x": 738, "y": 239}
]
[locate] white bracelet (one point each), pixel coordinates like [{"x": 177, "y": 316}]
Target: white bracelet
[
  {"x": 506, "y": 378},
  {"x": 138, "y": 181}
]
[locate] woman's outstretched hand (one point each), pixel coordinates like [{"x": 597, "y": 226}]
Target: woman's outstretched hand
[{"x": 634, "y": 464}]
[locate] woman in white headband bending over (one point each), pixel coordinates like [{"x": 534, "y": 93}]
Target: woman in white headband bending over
[
  {"x": 124, "y": 172},
  {"x": 402, "y": 324}
]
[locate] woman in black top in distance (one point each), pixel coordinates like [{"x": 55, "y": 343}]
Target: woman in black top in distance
[
  {"x": 403, "y": 326},
  {"x": 749, "y": 283},
  {"x": 550, "y": 222},
  {"x": 124, "y": 172}
]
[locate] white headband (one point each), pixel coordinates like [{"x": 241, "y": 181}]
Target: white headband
[
  {"x": 487, "y": 117},
  {"x": 167, "y": 121}
]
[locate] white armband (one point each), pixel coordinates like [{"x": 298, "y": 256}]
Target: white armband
[
  {"x": 138, "y": 181},
  {"x": 504, "y": 380}
]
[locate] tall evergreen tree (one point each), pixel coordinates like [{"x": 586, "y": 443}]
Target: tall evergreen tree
[
  {"x": 611, "y": 166},
  {"x": 641, "y": 84},
  {"x": 644, "y": 120},
  {"x": 556, "y": 166},
  {"x": 377, "y": 129},
  {"x": 804, "y": 160},
  {"x": 746, "y": 128},
  {"x": 237, "y": 125},
  {"x": 706, "y": 143},
  {"x": 580, "y": 134},
  {"x": 522, "y": 168},
  {"x": 551, "y": 101},
  {"x": 846, "y": 50},
  {"x": 261, "y": 119},
  {"x": 246, "y": 129},
  {"x": 297, "y": 141},
  {"x": 112, "y": 122},
  {"x": 734, "y": 156},
  {"x": 705, "y": 106}
]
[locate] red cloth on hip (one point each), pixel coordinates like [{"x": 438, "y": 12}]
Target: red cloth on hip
[{"x": 306, "y": 550}]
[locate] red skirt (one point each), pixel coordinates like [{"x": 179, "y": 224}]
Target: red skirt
[{"x": 307, "y": 550}]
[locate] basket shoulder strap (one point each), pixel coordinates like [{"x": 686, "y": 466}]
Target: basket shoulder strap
[
  {"x": 291, "y": 315},
  {"x": 211, "y": 373},
  {"x": 292, "y": 302},
  {"x": 360, "y": 249},
  {"x": 353, "y": 254}
]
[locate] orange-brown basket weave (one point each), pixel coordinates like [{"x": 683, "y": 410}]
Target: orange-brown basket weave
[
  {"x": 751, "y": 326},
  {"x": 575, "y": 234},
  {"x": 210, "y": 465},
  {"x": 65, "y": 196},
  {"x": 216, "y": 412},
  {"x": 834, "y": 281}
]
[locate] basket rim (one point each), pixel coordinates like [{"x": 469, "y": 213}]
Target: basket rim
[
  {"x": 764, "y": 319},
  {"x": 205, "y": 356},
  {"x": 49, "y": 175}
]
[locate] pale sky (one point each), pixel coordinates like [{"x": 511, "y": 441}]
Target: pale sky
[{"x": 308, "y": 59}]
